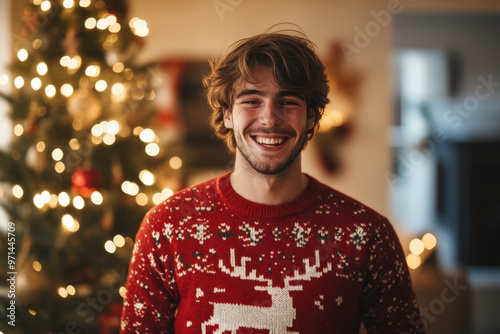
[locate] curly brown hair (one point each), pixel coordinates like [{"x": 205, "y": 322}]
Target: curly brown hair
[{"x": 295, "y": 66}]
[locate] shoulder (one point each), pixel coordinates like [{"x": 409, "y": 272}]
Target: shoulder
[
  {"x": 186, "y": 202},
  {"x": 353, "y": 214},
  {"x": 340, "y": 202}
]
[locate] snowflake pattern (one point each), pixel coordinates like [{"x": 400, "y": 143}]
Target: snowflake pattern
[
  {"x": 202, "y": 232},
  {"x": 251, "y": 234},
  {"x": 323, "y": 234},
  {"x": 358, "y": 236},
  {"x": 301, "y": 234}
]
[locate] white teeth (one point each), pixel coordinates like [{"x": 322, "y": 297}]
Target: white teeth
[{"x": 270, "y": 141}]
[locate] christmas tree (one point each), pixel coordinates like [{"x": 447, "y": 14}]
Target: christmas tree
[{"x": 83, "y": 166}]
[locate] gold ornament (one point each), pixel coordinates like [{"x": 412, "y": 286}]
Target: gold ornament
[
  {"x": 35, "y": 160},
  {"x": 84, "y": 106}
]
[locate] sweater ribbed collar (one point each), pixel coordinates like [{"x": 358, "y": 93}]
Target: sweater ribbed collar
[{"x": 253, "y": 209}]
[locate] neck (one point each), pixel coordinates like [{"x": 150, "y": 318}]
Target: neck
[{"x": 273, "y": 189}]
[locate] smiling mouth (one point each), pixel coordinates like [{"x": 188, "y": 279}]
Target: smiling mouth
[{"x": 270, "y": 142}]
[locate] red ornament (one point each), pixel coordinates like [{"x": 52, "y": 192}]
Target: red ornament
[
  {"x": 109, "y": 322},
  {"x": 85, "y": 181},
  {"x": 30, "y": 24}
]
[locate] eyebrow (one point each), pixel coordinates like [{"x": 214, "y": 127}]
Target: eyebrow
[{"x": 282, "y": 93}]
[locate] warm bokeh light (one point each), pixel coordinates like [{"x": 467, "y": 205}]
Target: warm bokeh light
[
  {"x": 45, "y": 195},
  {"x": 59, "y": 167},
  {"x": 160, "y": 197},
  {"x": 413, "y": 261},
  {"x": 147, "y": 177},
  {"x": 110, "y": 246},
  {"x": 97, "y": 130},
  {"x": 75, "y": 62},
  {"x": 108, "y": 139},
  {"x": 147, "y": 135},
  {"x": 36, "y": 83},
  {"x": 22, "y": 54},
  {"x": 53, "y": 201},
  {"x": 101, "y": 85},
  {"x": 37, "y": 266},
  {"x": 118, "y": 91},
  {"x": 115, "y": 27},
  {"x": 40, "y": 146},
  {"x": 17, "y": 191},
  {"x": 111, "y": 19},
  {"x": 90, "y": 23},
  {"x": 71, "y": 290},
  {"x": 74, "y": 144},
  {"x": 18, "y": 82},
  {"x": 38, "y": 201},
  {"x": 102, "y": 24},
  {"x": 65, "y": 60},
  {"x": 118, "y": 67},
  {"x": 18, "y": 130},
  {"x": 113, "y": 127},
  {"x": 63, "y": 199},
  {"x": 139, "y": 27},
  {"x": 57, "y": 154},
  {"x": 142, "y": 199},
  {"x": 45, "y": 5},
  {"x": 96, "y": 140},
  {"x": 62, "y": 292},
  {"x": 175, "y": 162},
  {"x": 152, "y": 149},
  {"x": 429, "y": 241},
  {"x": 77, "y": 124},
  {"x": 417, "y": 246},
  {"x": 4, "y": 79},
  {"x": 37, "y": 43},
  {"x": 78, "y": 202},
  {"x": 93, "y": 70},
  {"x": 96, "y": 198},
  {"x": 50, "y": 91},
  {"x": 69, "y": 223},
  {"x": 84, "y": 3},
  {"x": 167, "y": 192},
  {"x": 137, "y": 130},
  {"x": 66, "y": 90},
  {"x": 130, "y": 188},
  {"x": 331, "y": 119},
  {"x": 42, "y": 68},
  {"x": 68, "y": 4},
  {"x": 119, "y": 240}
]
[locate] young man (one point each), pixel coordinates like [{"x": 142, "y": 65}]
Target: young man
[{"x": 266, "y": 248}]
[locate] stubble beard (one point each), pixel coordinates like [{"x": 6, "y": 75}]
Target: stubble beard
[{"x": 263, "y": 167}]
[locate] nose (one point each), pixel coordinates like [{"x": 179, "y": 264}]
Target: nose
[{"x": 270, "y": 115}]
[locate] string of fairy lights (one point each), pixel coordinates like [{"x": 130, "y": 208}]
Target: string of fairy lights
[{"x": 101, "y": 133}]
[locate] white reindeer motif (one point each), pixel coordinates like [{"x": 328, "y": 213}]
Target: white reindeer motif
[{"x": 276, "y": 318}]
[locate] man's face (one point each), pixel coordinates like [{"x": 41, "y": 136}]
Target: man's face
[{"x": 269, "y": 123}]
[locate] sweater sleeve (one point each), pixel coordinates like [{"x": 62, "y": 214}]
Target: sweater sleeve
[
  {"x": 150, "y": 303},
  {"x": 388, "y": 303}
]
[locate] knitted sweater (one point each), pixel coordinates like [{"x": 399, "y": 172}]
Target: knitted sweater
[{"x": 209, "y": 261}]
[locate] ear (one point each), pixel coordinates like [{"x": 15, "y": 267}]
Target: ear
[
  {"x": 228, "y": 118},
  {"x": 310, "y": 119}
]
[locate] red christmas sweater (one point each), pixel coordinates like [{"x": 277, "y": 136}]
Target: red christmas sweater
[{"x": 209, "y": 261}]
